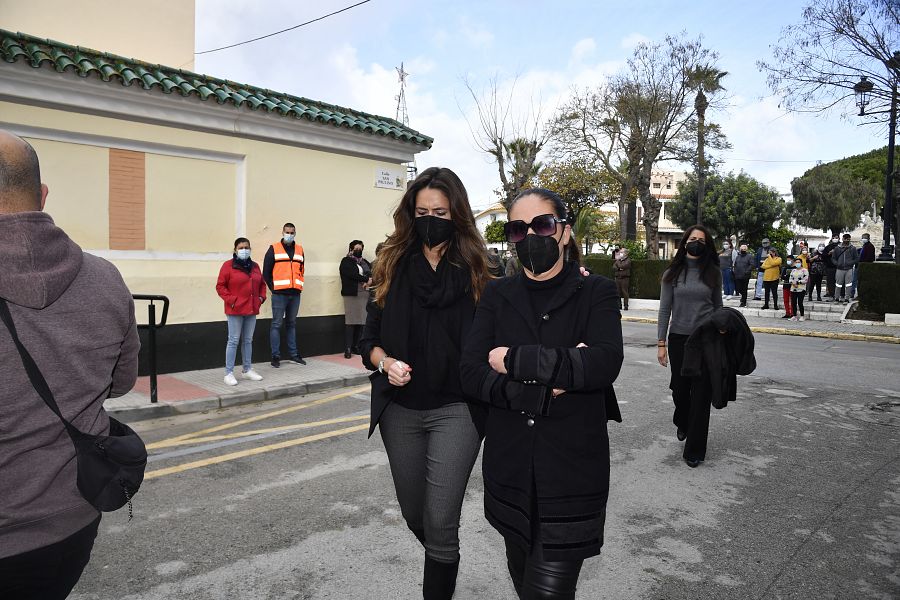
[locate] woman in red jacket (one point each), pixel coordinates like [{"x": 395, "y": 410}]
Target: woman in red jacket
[{"x": 243, "y": 289}]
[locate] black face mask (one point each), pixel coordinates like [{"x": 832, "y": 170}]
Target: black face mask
[
  {"x": 537, "y": 253},
  {"x": 695, "y": 248},
  {"x": 433, "y": 231},
  {"x": 357, "y": 253}
]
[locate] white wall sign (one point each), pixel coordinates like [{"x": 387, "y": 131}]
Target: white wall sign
[{"x": 392, "y": 179}]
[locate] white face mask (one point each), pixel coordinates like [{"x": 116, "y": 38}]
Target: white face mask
[
  {"x": 243, "y": 253},
  {"x": 288, "y": 238},
  {"x": 821, "y": 248}
]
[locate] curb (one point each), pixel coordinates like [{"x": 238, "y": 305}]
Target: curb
[
  {"x": 165, "y": 409},
  {"x": 854, "y": 337}
]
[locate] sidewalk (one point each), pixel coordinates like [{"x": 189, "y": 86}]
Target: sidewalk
[
  {"x": 816, "y": 325},
  {"x": 197, "y": 391}
]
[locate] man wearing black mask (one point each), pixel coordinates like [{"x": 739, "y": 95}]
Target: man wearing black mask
[
  {"x": 830, "y": 269},
  {"x": 743, "y": 267}
]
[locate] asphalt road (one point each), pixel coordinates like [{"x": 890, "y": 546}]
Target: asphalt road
[{"x": 799, "y": 496}]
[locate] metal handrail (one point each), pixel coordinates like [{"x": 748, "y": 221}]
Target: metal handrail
[{"x": 151, "y": 328}]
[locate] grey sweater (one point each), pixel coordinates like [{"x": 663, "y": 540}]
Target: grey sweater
[
  {"x": 75, "y": 316},
  {"x": 684, "y": 303}
]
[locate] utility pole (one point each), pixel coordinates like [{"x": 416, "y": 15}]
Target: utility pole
[{"x": 403, "y": 117}]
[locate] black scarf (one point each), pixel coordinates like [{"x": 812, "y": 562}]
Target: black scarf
[
  {"x": 244, "y": 265},
  {"x": 444, "y": 299}
]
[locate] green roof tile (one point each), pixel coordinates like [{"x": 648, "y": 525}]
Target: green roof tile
[{"x": 85, "y": 62}]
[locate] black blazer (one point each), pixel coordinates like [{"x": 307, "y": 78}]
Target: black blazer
[
  {"x": 719, "y": 349},
  {"x": 350, "y": 277},
  {"x": 557, "y": 447}
]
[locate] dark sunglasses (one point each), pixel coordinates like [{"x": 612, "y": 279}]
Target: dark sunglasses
[{"x": 542, "y": 225}]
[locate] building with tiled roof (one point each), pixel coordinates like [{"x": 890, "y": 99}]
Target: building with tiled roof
[{"x": 159, "y": 169}]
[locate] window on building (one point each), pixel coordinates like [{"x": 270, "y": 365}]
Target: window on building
[
  {"x": 493, "y": 217},
  {"x": 669, "y": 185},
  {"x": 657, "y": 185}
]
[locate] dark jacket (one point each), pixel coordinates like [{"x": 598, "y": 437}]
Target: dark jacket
[
  {"x": 867, "y": 252},
  {"x": 555, "y": 447},
  {"x": 393, "y": 328},
  {"x": 725, "y": 259},
  {"x": 622, "y": 268},
  {"x": 720, "y": 349},
  {"x": 845, "y": 257},
  {"x": 829, "y": 258},
  {"x": 75, "y": 316},
  {"x": 743, "y": 266},
  {"x": 351, "y": 277}
]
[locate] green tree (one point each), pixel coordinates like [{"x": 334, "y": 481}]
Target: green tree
[
  {"x": 829, "y": 197},
  {"x": 493, "y": 233},
  {"x": 704, "y": 78},
  {"x": 737, "y": 205},
  {"x": 578, "y": 183}
]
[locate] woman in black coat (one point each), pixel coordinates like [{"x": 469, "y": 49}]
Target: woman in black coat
[
  {"x": 356, "y": 276},
  {"x": 428, "y": 276},
  {"x": 543, "y": 352}
]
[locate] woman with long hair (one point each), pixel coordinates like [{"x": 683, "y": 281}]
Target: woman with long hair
[
  {"x": 543, "y": 353},
  {"x": 691, "y": 290},
  {"x": 356, "y": 276},
  {"x": 429, "y": 275}
]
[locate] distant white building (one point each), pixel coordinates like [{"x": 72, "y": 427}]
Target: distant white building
[{"x": 495, "y": 212}]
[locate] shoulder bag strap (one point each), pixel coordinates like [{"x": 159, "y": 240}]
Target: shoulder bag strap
[{"x": 34, "y": 373}]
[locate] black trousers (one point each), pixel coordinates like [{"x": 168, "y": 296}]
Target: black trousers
[
  {"x": 797, "y": 303},
  {"x": 771, "y": 287},
  {"x": 741, "y": 285},
  {"x": 815, "y": 281},
  {"x": 48, "y": 573},
  {"x": 538, "y": 579},
  {"x": 692, "y": 402}
]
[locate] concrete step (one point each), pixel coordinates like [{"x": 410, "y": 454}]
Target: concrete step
[{"x": 818, "y": 307}]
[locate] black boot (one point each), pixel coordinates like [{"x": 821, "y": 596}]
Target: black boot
[
  {"x": 348, "y": 340},
  {"x": 439, "y": 580}
]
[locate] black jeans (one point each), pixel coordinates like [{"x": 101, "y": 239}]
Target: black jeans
[
  {"x": 538, "y": 579},
  {"x": 797, "y": 303},
  {"x": 48, "y": 573},
  {"x": 741, "y": 287},
  {"x": 830, "y": 276},
  {"x": 815, "y": 281},
  {"x": 692, "y": 402},
  {"x": 771, "y": 287}
]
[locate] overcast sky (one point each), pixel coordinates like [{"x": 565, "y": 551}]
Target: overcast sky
[{"x": 350, "y": 59}]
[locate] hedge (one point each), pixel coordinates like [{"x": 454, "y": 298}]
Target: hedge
[
  {"x": 645, "y": 274},
  {"x": 879, "y": 287}
]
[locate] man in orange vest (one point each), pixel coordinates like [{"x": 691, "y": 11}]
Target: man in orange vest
[{"x": 283, "y": 270}]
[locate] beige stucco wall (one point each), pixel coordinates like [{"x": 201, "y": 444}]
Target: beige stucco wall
[
  {"x": 190, "y": 204},
  {"x": 194, "y": 206},
  {"x": 156, "y": 31},
  {"x": 78, "y": 176}
]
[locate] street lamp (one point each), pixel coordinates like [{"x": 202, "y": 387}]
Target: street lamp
[{"x": 863, "y": 90}]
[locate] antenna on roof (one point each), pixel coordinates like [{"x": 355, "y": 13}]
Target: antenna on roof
[{"x": 403, "y": 116}]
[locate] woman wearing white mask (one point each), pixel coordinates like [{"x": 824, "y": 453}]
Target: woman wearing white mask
[{"x": 242, "y": 288}]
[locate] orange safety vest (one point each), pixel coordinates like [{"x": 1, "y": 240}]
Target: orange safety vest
[{"x": 287, "y": 273}]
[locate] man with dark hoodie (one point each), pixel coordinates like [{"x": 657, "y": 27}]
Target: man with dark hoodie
[{"x": 74, "y": 314}]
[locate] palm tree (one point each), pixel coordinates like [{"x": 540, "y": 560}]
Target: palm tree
[
  {"x": 703, "y": 77},
  {"x": 587, "y": 216}
]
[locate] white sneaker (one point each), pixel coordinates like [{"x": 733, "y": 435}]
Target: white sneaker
[
  {"x": 802, "y": 318},
  {"x": 230, "y": 379},
  {"x": 793, "y": 318},
  {"x": 251, "y": 375},
  {"x": 728, "y": 297}
]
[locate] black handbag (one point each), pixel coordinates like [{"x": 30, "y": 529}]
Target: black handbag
[{"x": 110, "y": 467}]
